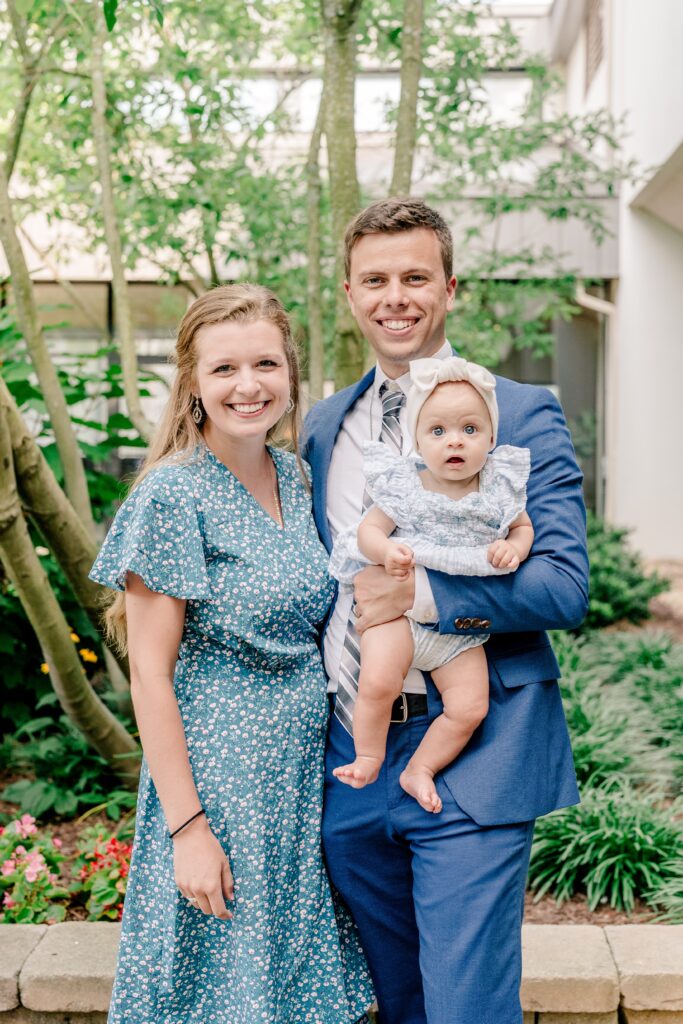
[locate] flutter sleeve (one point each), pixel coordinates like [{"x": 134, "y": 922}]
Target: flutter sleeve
[
  {"x": 504, "y": 480},
  {"x": 156, "y": 535},
  {"x": 391, "y": 482}
]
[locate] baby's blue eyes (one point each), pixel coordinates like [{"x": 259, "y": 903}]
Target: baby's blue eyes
[{"x": 439, "y": 431}]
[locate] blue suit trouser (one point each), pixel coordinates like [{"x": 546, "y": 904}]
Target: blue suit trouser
[{"x": 438, "y": 899}]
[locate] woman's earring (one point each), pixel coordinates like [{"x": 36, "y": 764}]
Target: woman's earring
[
  {"x": 197, "y": 410},
  {"x": 290, "y": 405}
]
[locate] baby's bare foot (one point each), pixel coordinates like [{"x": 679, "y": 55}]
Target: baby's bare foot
[
  {"x": 361, "y": 772},
  {"x": 420, "y": 784}
]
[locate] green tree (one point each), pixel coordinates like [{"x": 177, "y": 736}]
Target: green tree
[{"x": 150, "y": 142}]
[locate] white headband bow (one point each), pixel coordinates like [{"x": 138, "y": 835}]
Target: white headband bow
[{"x": 426, "y": 374}]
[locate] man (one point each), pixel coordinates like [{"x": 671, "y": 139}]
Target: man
[{"x": 438, "y": 898}]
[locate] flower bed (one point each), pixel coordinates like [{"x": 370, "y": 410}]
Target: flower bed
[{"x": 40, "y": 884}]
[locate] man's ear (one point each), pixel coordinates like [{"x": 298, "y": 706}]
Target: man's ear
[
  {"x": 450, "y": 290},
  {"x": 349, "y": 296}
]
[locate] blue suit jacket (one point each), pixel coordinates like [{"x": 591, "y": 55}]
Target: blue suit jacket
[{"x": 518, "y": 764}]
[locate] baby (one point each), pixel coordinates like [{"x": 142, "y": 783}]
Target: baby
[{"x": 463, "y": 513}]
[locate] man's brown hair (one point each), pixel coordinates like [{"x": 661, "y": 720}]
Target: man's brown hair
[{"x": 396, "y": 214}]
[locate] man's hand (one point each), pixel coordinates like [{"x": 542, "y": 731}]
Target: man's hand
[
  {"x": 379, "y": 597},
  {"x": 399, "y": 561}
]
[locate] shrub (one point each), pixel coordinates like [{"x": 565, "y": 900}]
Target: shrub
[
  {"x": 102, "y": 866},
  {"x": 668, "y": 896},
  {"x": 619, "y": 588},
  {"x": 623, "y": 696},
  {"x": 64, "y": 775},
  {"x": 624, "y": 703},
  {"x": 29, "y": 874},
  {"x": 614, "y": 846}
]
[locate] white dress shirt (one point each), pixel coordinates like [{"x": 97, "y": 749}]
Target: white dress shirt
[{"x": 345, "y": 489}]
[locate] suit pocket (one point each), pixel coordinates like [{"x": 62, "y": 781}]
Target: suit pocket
[{"x": 536, "y": 665}]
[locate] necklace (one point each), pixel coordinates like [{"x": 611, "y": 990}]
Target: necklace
[{"x": 276, "y": 500}]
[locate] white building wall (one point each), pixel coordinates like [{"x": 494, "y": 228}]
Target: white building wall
[
  {"x": 645, "y": 399},
  {"x": 645, "y": 403},
  {"x": 641, "y": 79}
]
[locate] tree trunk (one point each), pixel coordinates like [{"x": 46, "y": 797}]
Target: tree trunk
[
  {"x": 27, "y": 319},
  {"x": 22, "y": 565},
  {"x": 406, "y": 122},
  {"x": 47, "y": 506},
  {"x": 29, "y": 78},
  {"x": 122, "y": 310},
  {"x": 316, "y": 346},
  {"x": 339, "y": 19}
]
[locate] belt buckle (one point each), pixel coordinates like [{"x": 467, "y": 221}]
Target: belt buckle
[{"x": 404, "y": 709}]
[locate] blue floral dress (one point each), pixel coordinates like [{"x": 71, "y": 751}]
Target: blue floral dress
[{"x": 251, "y": 691}]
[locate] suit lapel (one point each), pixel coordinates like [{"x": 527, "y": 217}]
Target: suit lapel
[{"x": 326, "y": 435}]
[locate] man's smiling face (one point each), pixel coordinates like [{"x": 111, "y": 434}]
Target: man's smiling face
[{"x": 399, "y": 295}]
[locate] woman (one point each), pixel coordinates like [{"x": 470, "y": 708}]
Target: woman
[{"x": 228, "y": 915}]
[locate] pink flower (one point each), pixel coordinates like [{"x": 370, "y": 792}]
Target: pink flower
[
  {"x": 52, "y": 877},
  {"x": 20, "y": 850},
  {"x": 31, "y": 874},
  {"x": 57, "y": 842},
  {"x": 8, "y": 901},
  {"x": 26, "y": 826},
  {"x": 8, "y": 867}
]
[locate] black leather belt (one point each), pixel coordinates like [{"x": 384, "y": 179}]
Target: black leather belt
[{"x": 406, "y": 705}]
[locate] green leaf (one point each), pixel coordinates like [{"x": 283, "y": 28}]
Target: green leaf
[{"x": 110, "y": 13}]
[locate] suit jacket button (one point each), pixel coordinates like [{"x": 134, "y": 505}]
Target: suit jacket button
[
  {"x": 485, "y": 623},
  {"x": 476, "y": 623},
  {"x": 458, "y": 623},
  {"x": 466, "y": 623}
]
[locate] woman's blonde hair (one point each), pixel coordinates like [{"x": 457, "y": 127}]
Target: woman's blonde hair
[{"x": 178, "y": 434}]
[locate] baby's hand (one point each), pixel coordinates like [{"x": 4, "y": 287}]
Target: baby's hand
[
  {"x": 399, "y": 560},
  {"x": 502, "y": 555}
]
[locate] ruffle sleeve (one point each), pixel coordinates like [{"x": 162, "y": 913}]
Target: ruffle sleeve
[
  {"x": 391, "y": 482},
  {"x": 156, "y": 535},
  {"x": 504, "y": 479}
]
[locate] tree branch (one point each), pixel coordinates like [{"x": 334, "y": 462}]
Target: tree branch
[
  {"x": 316, "y": 368},
  {"x": 27, "y": 318},
  {"x": 123, "y": 314},
  {"x": 76, "y": 696},
  {"x": 406, "y": 124}
]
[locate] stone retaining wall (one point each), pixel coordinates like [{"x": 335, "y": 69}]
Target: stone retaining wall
[{"x": 573, "y": 974}]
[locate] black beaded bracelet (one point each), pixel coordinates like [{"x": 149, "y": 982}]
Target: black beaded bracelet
[{"x": 186, "y": 823}]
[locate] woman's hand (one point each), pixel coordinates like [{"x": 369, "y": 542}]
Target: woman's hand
[{"x": 202, "y": 871}]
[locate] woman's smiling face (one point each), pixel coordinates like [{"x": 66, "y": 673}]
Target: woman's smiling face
[{"x": 242, "y": 378}]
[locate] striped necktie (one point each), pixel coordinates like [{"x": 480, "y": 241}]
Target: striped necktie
[{"x": 393, "y": 401}]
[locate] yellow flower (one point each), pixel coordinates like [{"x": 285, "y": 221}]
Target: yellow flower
[
  {"x": 88, "y": 655},
  {"x": 45, "y": 668},
  {"x": 75, "y": 637}
]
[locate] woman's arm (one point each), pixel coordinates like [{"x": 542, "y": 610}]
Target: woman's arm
[
  {"x": 373, "y": 540},
  {"x": 155, "y": 626}
]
